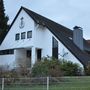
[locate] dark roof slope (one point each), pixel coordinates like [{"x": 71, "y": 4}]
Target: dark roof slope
[
  {"x": 62, "y": 33},
  {"x": 86, "y": 45}
]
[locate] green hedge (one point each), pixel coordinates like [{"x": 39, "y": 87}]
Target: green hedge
[{"x": 55, "y": 68}]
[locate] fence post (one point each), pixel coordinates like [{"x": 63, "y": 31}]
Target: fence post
[
  {"x": 47, "y": 83},
  {"x": 2, "y": 83}
]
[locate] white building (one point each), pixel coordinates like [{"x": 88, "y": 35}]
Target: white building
[{"x": 32, "y": 36}]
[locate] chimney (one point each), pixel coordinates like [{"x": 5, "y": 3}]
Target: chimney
[{"x": 78, "y": 36}]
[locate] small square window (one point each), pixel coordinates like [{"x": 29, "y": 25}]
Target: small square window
[
  {"x": 29, "y": 34},
  {"x": 23, "y": 35},
  {"x": 17, "y": 36}
]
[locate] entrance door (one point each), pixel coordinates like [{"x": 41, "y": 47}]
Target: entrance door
[
  {"x": 28, "y": 58},
  {"x": 39, "y": 54}
]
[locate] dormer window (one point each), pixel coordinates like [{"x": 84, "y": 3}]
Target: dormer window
[{"x": 29, "y": 34}]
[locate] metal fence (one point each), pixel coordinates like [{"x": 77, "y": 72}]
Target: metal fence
[{"x": 45, "y": 83}]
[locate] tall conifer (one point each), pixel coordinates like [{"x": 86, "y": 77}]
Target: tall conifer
[
  {"x": 3, "y": 17},
  {"x": 3, "y": 22}
]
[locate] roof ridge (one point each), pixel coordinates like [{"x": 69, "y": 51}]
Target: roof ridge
[
  {"x": 46, "y": 18},
  {"x": 63, "y": 34}
]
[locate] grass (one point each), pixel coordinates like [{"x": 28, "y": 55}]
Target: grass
[
  {"x": 69, "y": 83},
  {"x": 73, "y": 83}
]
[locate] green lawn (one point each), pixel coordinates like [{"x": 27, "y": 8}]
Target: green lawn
[{"x": 69, "y": 83}]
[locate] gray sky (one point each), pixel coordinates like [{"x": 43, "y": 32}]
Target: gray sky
[{"x": 66, "y": 12}]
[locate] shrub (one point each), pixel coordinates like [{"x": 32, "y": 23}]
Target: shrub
[
  {"x": 23, "y": 71},
  {"x": 70, "y": 69},
  {"x": 56, "y": 68},
  {"x": 6, "y": 72},
  {"x": 47, "y": 67},
  {"x": 87, "y": 69}
]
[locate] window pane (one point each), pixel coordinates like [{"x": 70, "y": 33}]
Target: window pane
[
  {"x": 39, "y": 53},
  {"x": 23, "y": 35},
  {"x": 17, "y": 36},
  {"x": 28, "y": 53},
  {"x": 29, "y": 58},
  {"x": 6, "y": 52},
  {"x": 29, "y": 34},
  {"x": 54, "y": 48}
]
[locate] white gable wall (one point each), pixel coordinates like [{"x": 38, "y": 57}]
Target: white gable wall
[
  {"x": 10, "y": 42},
  {"x": 43, "y": 40}
]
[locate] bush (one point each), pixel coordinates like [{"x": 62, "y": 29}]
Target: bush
[
  {"x": 6, "y": 72},
  {"x": 55, "y": 68},
  {"x": 47, "y": 67},
  {"x": 87, "y": 69},
  {"x": 23, "y": 71},
  {"x": 70, "y": 69}
]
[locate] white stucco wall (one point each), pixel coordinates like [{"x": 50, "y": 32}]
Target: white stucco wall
[
  {"x": 69, "y": 56},
  {"x": 20, "y": 57},
  {"x": 7, "y": 60},
  {"x": 41, "y": 38},
  {"x": 10, "y": 42}
]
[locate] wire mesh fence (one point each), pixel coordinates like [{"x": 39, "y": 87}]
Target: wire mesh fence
[
  {"x": 25, "y": 84},
  {"x": 45, "y": 83}
]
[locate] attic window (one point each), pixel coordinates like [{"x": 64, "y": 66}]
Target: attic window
[
  {"x": 23, "y": 35},
  {"x": 29, "y": 34},
  {"x": 17, "y": 36}
]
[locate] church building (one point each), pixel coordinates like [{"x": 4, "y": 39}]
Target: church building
[{"x": 32, "y": 36}]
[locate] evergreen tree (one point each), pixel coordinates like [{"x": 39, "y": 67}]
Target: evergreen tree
[
  {"x": 3, "y": 19},
  {"x": 3, "y": 22}
]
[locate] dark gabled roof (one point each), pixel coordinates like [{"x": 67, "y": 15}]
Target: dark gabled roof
[{"x": 62, "y": 33}]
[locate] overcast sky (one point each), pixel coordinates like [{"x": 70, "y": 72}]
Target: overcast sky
[{"x": 66, "y": 12}]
